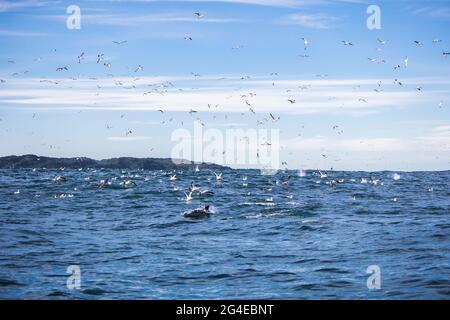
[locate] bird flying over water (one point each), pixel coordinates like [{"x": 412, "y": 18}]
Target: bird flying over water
[
  {"x": 81, "y": 57},
  {"x": 100, "y": 57},
  {"x": 305, "y": 43},
  {"x": 188, "y": 196},
  {"x": 273, "y": 118}
]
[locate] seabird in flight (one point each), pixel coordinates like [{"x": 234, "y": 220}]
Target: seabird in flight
[
  {"x": 273, "y": 118},
  {"x": 81, "y": 57},
  {"x": 305, "y": 43}
]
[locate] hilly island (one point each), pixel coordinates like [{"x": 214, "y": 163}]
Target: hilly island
[{"x": 34, "y": 161}]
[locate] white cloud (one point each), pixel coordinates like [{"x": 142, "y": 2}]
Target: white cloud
[
  {"x": 333, "y": 145},
  {"x": 315, "y": 21},
  {"x": 135, "y": 138},
  {"x": 436, "y": 140},
  {"x": 275, "y": 3},
  {"x": 428, "y": 152},
  {"x": 139, "y": 19},
  {"x": 19, "y": 4},
  {"x": 434, "y": 12},
  {"x": 321, "y": 97},
  {"x": 272, "y": 3},
  {"x": 147, "y": 123},
  {"x": 16, "y": 33},
  {"x": 441, "y": 131}
]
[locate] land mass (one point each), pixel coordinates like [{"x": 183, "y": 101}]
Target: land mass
[{"x": 34, "y": 161}]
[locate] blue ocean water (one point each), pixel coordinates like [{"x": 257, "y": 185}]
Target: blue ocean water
[{"x": 313, "y": 240}]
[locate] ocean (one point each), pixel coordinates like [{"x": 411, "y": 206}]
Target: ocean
[{"x": 312, "y": 238}]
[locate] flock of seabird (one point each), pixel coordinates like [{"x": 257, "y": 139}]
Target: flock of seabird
[
  {"x": 164, "y": 87},
  {"x": 195, "y": 190}
]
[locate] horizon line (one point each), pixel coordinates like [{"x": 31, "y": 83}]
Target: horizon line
[{"x": 192, "y": 162}]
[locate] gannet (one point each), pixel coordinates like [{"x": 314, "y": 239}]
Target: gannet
[{"x": 218, "y": 176}]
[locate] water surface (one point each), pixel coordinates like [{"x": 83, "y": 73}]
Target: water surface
[{"x": 313, "y": 240}]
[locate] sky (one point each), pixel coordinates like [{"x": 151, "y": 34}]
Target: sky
[{"x": 353, "y": 107}]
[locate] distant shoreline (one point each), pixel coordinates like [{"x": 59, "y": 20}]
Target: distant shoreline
[{"x": 32, "y": 161}]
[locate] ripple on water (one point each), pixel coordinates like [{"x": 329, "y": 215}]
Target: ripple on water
[
  {"x": 95, "y": 291},
  {"x": 10, "y": 283},
  {"x": 311, "y": 241}
]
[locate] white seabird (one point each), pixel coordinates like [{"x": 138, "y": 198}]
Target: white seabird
[{"x": 218, "y": 176}]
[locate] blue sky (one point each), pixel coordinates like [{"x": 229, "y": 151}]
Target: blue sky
[{"x": 238, "y": 47}]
